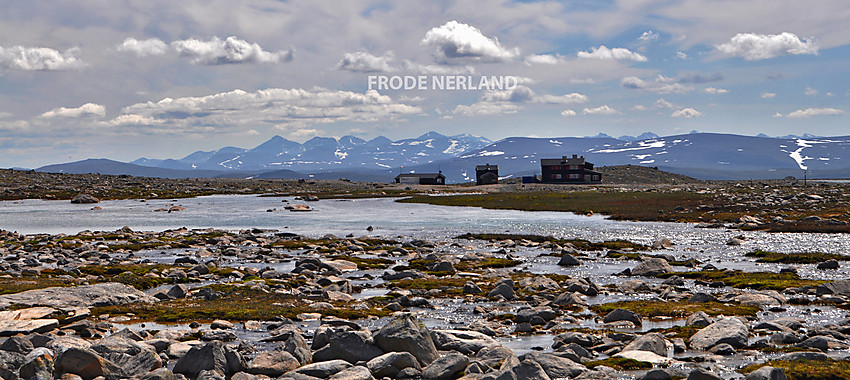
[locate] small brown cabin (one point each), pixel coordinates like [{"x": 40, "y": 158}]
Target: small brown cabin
[
  {"x": 486, "y": 174},
  {"x": 568, "y": 170}
]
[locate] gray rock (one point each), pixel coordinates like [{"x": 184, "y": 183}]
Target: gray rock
[
  {"x": 27, "y": 326},
  {"x": 132, "y": 357},
  {"x": 84, "y": 363},
  {"x": 651, "y": 266},
  {"x": 445, "y": 367},
  {"x": 838, "y": 288},
  {"x": 297, "y": 346},
  {"x": 321, "y": 370},
  {"x": 568, "y": 260},
  {"x": 703, "y": 374},
  {"x": 656, "y": 374},
  {"x": 702, "y": 297},
  {"x": 526, "y": 370},
  {"x": 353, "y": 373},
  {"x": 582, "y": 339},
  {"x": 724, "y": 349},
  {"x": 504, "y": 290},
  {"x": 494, "y": 356},
  {"x": 463, "y": 341},
  {"x": 829, "y": 264},
  {"x": 272, "y": 363},
  {"x": 17, "y": 344},
  {"x": 554, "y": 366},
  {"x": 103, "y": 294},
  {"x": 391, "y": 363},
  {"x": 351, "y": 346},
  {"x": 444, "y": 266},
  {"x": 405, "y": 333},
  {"x": 243, "y": 376},
  {"x": 806, "y": 355},
  {"x": 159, "y": 374},
  {"x": 84, "y": 198},
  {"x": 213, "y": 356},
  {"x": 569, "y": 299},
  {"x": 767, "y": 373},
  {"x": 699, "y": 318},
  {"x": 39, "y": 365},
  {"x": 178, "y": 291},
  {"x": 622, "y": 315},
  {"x": 471, "y": 288},
  {"x": 652, "y": 342},
  {"x": 727, "y": 330}
]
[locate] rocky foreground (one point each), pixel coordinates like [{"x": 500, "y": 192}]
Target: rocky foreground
[{"x": 263, "y": 304}]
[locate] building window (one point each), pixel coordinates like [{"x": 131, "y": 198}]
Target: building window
[
  {"x": 556, "y": 176},
  {"x": 575, "y": 176},
  {"x": 596, "y": 177},
  {"x": 556, "y": 168},
  {"x": 574, "y": 167}
]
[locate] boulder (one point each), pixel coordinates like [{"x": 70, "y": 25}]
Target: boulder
[
  {"x": 703, "y": 374},
  {"x": 568, "y": 260},
  {"x": 84, "y": 363},
  {"x": 652, "y": 342},
  {"x": 829, "y": 264},
  {"x": 699, "y": 318},
  {"x": 297, "y": 346},
  {"x": 103, "y": 294},
  {"x": 645, "y": 356},
  {"x": 272, "y": 363},
  {"x": 27, "y": 326},
  {"x": 504, "y": 290},
  {"x": 569, "y": 299},
  {"x": 132, "y": 357},
  {"x": 767, "y": 373},
  {"x": 525, "y": 369},
  {"x": 623, "y": 315},
  {"x": 463, "y": 341},
  {"x": 353, "y": 373},
  {"x": 351, "y": 346},
  {"x": 445, "y": 367},
  {"x": 837, "y": 288},
  {"x": 391, "y": 363},
  {"x": 471, "y": 288},
  {"x": 214, "y": 356},
  {"x": 554, "y": 366},
  {"x": 651, "y": 266},
  {"x": 405, "y": 333},
  {"x": 726, "y": 330},
  {"x": 322, "y": 370},
  {"x": 17, "y": 344},
  {"x": 159, "y": 374}
]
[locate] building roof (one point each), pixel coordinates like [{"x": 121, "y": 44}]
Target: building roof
[
  {"x": 421, "y": 175},
  {"x": 487, "y": 167},
  {"x": 574, "y": 160}
]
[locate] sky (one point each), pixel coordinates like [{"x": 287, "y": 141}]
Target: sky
[{"x": 162, "y": 79}]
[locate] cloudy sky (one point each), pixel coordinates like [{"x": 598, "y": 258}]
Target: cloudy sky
[{"x": 161, "y": 79}]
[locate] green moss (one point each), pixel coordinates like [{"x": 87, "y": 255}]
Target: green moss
[
  {"x": 580, "y": 244},
  {"x": 829, "y": 369},
  {"x": 621, "y": 364},
  {"x": 651, "y": 309},
  {"x": 112, "y": 270},
  {"x": 492, "y": 262},
  {"x": 749, "y": 280},
  {"x": 684, "y": 332},
  {"x": 795, "y": 258},
  {"x": 364, "y": 262},
  {"x": 17, "y": 285}
]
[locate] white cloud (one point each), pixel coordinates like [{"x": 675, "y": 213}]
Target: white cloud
[
  {"x": 681, "y": 55},
  {"x": 603, "y": 52},
  {"x": 523, "y": 94},
  {"x": 768, "y": 95},
  {"x": 639, "y": 107},
  {"x": 661, "y": 103},
  {"x": 546, "y": 59},
  {"x": 283, "y": 108},
  {"x": 486, "y": 109},
  {"x": 648, "y": 36},
  {"x": 302, "y": 133},
  {"x": 660, "y": 84},
  {"x": 808, "y": 112},
  {"x": 686, "y": 113},
  {"x": 88, "y": 109},
  {"x": 568, "y": 113},
  {"x": 810, "y": 91},
  {"x": 712, "y": 90},
  {"x": 231, "y": 50},
  {"x": 601, "y": 110},
  {"x": 455, "y": 40},
  {"x": 142, "y": 48},
  {"x": 582, "y": 81},
  {"x": 366, "y": 63},
  {"x": 39, "y": 58},
  {"x": 754, "y": 47}
]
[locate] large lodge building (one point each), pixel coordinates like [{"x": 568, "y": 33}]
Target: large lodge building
[{"x": 568, "y": 170}]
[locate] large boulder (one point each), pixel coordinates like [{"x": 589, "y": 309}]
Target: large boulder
[
  {"x": 103, "y": 294},
  {"x": 322, "y": 370},
  {"x": 84, "y": 198},
  {"x": 132, "y": 357},
  {"x": 463, "y": 341},
  {"x": 445, "y": 367},
  {"x": 351, "y": 346},
  {"x": 652, "y": 266},
  {"x": 405, "y": 333},
  {"x": 84, "y": 363},
  {"x": 568, "y": 260},
  {"x": 727, "y": 330},
  {"x": 623, "y": 315},
  {"x": 652, "y": 342},
  {"x": 554, "y": 366},
  {"x": 213, "y": 356},
  {"x": 353, "y": 373},
  {"x": 272, "y": 363},
  {"x": 391, "y": 363},
  {"x": 767, "y": 373},
  {"x": 837, "y": 288}
]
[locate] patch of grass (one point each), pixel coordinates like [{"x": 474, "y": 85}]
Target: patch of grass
[
  {"x": 829, "y": 369},
  {"x": 795, "y": 258},
  {"x": 112, "y": 270},
  {"x": 684, "y": 332},
  {"x": 492, "y": 262},
  {"x": 621, "y": 364},
  {"x": 619, "y": 205},
  {"x": 364, "y": 262},
  {"x": 651, "y": 309},
  {"x": 17, "y": 285},
  {"x": 580, "y": 244},
  {"x": 237, "y": 303},
  {"x": 749, "y": 280}
]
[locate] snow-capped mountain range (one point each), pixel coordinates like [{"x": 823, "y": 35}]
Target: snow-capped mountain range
[{"x": 701, "y": 155}]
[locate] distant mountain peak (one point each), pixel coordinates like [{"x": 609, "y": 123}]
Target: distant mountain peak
[{"x": 431, "y": 135}]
